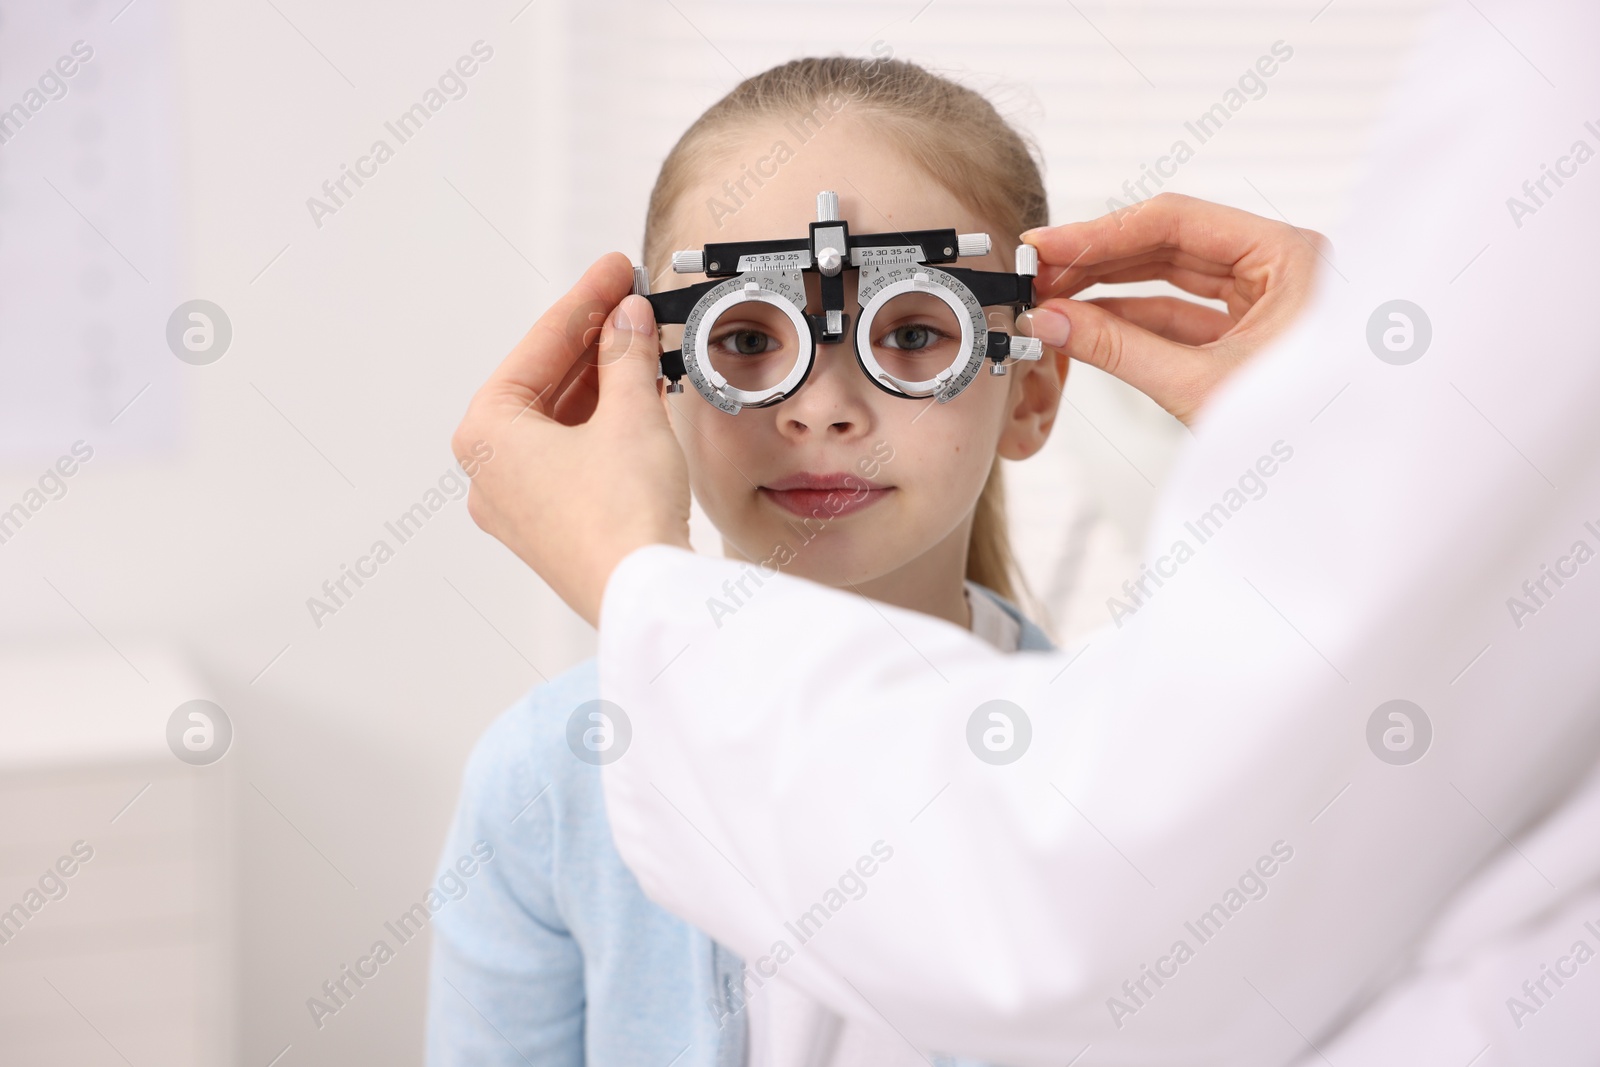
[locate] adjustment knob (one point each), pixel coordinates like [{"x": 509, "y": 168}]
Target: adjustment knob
[
  {"x": 828, "y": 206},
  {"x": 1027, "y": 348},
  {"x": 972, "y": 244},
  {"x": 829, "y": 260},
  {"x": 641, "y": 281},
  {"x": 1027, "y": 260},
  {"x": 690, "y": 261}
]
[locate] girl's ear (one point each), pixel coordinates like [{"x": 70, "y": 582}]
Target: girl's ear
[{"x": 1033, "y": 402}]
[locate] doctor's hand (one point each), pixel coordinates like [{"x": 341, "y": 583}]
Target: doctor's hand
[
  {"x": 1173, "y": 350},
  {"x": 581, "y": 466}
]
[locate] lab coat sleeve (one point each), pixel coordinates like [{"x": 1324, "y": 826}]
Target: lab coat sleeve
[{"x": 1213, "y": 849}]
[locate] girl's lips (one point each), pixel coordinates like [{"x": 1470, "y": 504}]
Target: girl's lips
[{"x": 825, "y": 503}]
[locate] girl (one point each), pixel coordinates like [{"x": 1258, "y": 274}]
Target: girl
[{"x": 554, "y": 956}]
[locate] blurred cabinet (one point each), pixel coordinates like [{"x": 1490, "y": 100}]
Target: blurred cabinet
[{"x": 127, "y": 958}]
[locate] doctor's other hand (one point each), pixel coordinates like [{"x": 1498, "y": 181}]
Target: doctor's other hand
[
  {"x": 573, "y": 462},
  {"x": 1175, "y": 351}
]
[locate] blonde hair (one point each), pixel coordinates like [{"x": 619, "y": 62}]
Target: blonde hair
[{"x": 952, "y": 133}]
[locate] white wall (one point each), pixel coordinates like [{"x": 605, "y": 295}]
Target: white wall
[{"x": 355, "y": 352}]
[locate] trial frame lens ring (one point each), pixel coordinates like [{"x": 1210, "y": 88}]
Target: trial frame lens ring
[
  {"x": 951, "y": 380},
  {"x": 703, "y": 319}
]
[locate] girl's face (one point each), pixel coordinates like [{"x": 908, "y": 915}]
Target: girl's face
[{"x": 843, "y": 483}]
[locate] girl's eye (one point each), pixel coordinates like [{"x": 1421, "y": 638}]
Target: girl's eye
[
  {"x": 910, "y": 337},
  {"x": 746, "y": 342},
  {"x": 913, "y": 336}
]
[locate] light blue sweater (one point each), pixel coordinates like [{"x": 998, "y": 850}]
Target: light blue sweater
[{"x": 554, "y": 957}]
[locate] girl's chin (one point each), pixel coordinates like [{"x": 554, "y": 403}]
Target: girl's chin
[{"x": 830, "y": 555}]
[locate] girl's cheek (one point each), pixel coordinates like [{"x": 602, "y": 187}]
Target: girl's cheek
[
  {"x": 705, "y": 466},
  {"x": 717, "y": 451}
]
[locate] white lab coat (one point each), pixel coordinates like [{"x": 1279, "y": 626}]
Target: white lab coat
[{"x": 1223, "y": 729}]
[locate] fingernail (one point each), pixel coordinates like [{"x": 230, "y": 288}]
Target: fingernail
[
  {"x": 1051, "y": 327},
  {"x": 641, "y": 321},
  {"x": 1029, "y": 233},
  {"x": 619, "y": 318}
]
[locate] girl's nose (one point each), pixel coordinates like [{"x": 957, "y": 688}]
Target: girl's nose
[{"x": 833, "y": 400}]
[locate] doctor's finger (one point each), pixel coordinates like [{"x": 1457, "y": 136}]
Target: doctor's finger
[
  {"x": 1207, "y": 286},
  {"x": 1176, "y": 376},
  {"x": 1209, "y": 232},
  {"x": 630, "y": 359},
  {"x": 1064, "y": 281},
  {"x": 1181, "y": 321},
  {"x": 576, "y": 397},
  {"x": 549, "y": 358}
]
